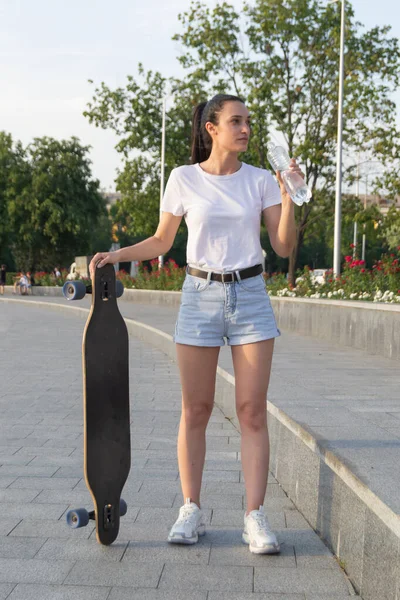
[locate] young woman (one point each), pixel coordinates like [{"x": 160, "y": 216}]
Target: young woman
[{"x": 223, "y": 296}]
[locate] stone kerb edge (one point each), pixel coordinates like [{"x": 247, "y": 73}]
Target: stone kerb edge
[{"x": 321, "y": 486}]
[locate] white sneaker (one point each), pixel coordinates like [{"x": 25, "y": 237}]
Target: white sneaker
[
  {"x": 189, "y": 525},
  {"x": 257, "y": 533}
]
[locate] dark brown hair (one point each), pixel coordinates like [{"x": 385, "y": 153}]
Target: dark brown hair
[{"x": 201, "y": 144}]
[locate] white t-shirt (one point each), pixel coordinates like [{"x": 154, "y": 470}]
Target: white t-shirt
[{"x": 222, "y": 214}]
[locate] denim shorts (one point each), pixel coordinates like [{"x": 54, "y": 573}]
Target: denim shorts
[{"x": 211, "y": 311}]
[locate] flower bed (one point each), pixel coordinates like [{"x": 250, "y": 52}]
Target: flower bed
[{"x": 380, "y": 284}]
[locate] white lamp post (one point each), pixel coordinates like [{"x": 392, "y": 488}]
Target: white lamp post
[
  {"x": 338, "y": 198},
  {"x": 164, "y": 105}
]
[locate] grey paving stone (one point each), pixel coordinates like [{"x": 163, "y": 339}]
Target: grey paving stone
[
  {"x": 207, "y": 578},
  {"x": 13, "y": 570},
  {"x": 5, "y": 590},
  {"x": 44, "y": 483},
  {"x": 253, "y": 596},
  {"x": 46, "y": 451},
  {"x": 218, "y": 487},
  {"x": 152, "y": 486},
  {"x": 47, "y": 529},
  {"x": 318, "y": 596},
  {"x": 136, "y": 575},
  {"x": 163, "y": 552},
  {"x": 12, "y": 547},
  {"x": 155, "y": 417},
  {"x": 149, "y": 515},
  {"x": 234, "y": 518},
  {"x": 296, "y": 520},
  {"x": 76, "y": 497},
  {"x": 27, "y": 471},
  {"x": 238, "y": 554},
  {"x": 280, "y": 580},
  {"x": 148, "y": 594},
  {"x": 33, "y": 511},
  {"x": 144, "y": 499},
  {"x": 58, "y": 592},
  {"x": 16, "y": 460},
  {"x": 15, "y": 495},
  {"x": 228, "y": 476},
  {"x": 214, "y": 501},
  {"x": 90, "y": 550}
]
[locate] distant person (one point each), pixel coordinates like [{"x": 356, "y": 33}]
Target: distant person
[
  {"x": 3, "y": 273},
  {"x": 23, "y": 284},
  {"x": 17, "y": 281},
  {"x": 29, "y": 277},
  {"x": 57, "y": 272}
]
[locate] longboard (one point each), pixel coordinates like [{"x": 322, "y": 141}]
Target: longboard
[{"x": 107, "y": 447}]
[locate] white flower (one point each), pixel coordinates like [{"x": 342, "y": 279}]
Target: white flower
[{"x": 329, "y": 294}]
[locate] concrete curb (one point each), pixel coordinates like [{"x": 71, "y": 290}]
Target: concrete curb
[
  {"x": 374, "y": 328},
  {"x": 356, "y": 525}
]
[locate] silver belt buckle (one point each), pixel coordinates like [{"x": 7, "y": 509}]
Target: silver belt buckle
[{"x": 223, "y": 277}]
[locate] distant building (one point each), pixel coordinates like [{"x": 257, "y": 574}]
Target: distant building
[
  {"x": 382, "y": 203},
  {"x": 111, "y": 198}
]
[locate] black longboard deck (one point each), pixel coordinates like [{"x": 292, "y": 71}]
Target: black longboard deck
[{"x": 107, "y": 447}]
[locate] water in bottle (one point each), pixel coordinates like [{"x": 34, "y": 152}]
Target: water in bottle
[{"x": 294, "y": 183}]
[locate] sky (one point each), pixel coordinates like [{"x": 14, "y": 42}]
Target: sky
[{"x": 50, "y": 48}]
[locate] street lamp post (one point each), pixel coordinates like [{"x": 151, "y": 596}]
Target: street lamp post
[
  {"x": 164, "y": 106},
  {"x": 338, "y": 198}
]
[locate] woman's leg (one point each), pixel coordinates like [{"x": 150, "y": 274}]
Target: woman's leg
[
  {"x": 252, "y": 366},
  {"x": 197, "y": 367}
]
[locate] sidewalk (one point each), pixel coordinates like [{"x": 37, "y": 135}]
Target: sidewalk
[
  {"x": 41, "y": 478},
  {"x": 346, "y": 398}
]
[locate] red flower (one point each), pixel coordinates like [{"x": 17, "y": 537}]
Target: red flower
[
  {"x": 362, "y": 270},
  {"x": 352, "y": 246},
  {"x": 348, "y": 259}
]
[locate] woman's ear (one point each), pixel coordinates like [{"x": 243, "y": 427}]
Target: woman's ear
[{"x": 210, "y": 127}]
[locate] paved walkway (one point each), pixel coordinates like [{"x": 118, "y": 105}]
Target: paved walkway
[
  {"x": 41, "y": 472},
  {"x": 346, "y": 398}
]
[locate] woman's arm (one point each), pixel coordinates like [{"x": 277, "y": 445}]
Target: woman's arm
[
  {"x": 153, "y": 246},
  {"x": 279, "y": 219}
]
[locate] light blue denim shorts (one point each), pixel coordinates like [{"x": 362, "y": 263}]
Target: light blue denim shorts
[{"x": 211, "y": 311}]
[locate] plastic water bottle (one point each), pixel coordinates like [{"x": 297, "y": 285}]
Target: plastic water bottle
[{"x": 295, "y": 185}]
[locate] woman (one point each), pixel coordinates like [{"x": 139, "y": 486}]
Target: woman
[{"x": 223, "y": 296}]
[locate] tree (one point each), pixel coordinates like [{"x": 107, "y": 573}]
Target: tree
[
  {"x": 53, "y": 204},
  {"x": 12, "y": 160},
  {"x": 390, "y": 228},
  {"x": 286, "y": 69}
]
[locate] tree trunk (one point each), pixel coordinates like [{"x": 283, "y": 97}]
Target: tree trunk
[{"x": 293, "y": 258}]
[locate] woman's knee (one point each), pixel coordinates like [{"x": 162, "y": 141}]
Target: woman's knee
[
  {"x": 196, "y": 414},
  {"x": 252, "y": 415}
]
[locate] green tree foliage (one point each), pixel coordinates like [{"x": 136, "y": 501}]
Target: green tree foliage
[
  {"x": 389, "y": 229},
  {"x": 282, "y": 57},
  {"x": 53, "y": 205}
]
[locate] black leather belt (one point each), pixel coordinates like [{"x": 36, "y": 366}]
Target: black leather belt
[{"x": 227, "y": 277}]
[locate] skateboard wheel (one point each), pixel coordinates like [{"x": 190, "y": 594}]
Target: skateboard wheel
[
  {"x": 74, "y": 290},
  {"x": 119, "y": 288},
  {"x": 123, "y": 508},
  {"x": 77, "y": 518}
]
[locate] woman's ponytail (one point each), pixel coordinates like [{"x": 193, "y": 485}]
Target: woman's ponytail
[
  {"x": 201, "y": 144},
  {"x": 199, "y": 151}
]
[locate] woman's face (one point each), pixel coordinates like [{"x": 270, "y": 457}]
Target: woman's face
[{"x": 233, "y": 130}]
